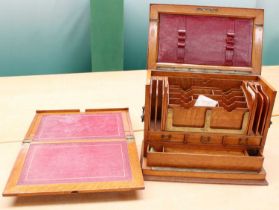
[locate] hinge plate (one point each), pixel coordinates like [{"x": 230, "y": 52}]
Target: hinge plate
[
  {"x": 206, "y": 71},
  {"x": 130, "y": 138}
]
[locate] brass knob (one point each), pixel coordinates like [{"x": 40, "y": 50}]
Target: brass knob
[{"x": 205, "y": 139}]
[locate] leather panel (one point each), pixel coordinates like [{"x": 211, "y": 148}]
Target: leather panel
[{"x": 206, "y": 40}]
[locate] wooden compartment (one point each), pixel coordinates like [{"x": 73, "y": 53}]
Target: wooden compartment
[
  {"x": 197, "y": 139},
  {"x": 222, "y": 159},
  {"x": 168, "y": 137},
  {"x": 191, "y": 117},
  {"x": 249, "y": 141},
  {"x": 207, "y": 109},
  {"x": 221, "y": 118},
  {"x": 230, "y": 111}
]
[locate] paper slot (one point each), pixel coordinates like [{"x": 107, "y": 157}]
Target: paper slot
[{"x": 207, "y": 104}]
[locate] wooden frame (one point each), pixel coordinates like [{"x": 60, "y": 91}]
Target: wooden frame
[
  {"x": 14, "y": 189},
  {"x": 40, "y": 113},
  {"x": 203, "y": 176},
  {"x": 193, "y": 145},
  {"x": 256, "y": 14}
]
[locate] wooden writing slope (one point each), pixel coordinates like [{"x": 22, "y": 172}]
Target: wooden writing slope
[
  {"x": 69, "y": 151},
  {"x": 214, "y": 53}
]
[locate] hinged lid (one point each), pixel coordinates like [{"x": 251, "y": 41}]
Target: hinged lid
[{"x": 214, "y": 39}]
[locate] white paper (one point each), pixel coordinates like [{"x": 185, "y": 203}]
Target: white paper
[{"x": 205, "y": 101}]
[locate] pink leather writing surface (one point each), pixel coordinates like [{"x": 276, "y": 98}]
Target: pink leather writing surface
[
  {"x": 80, "y": 126},
  {"x": 205, "y": 40},
  {"x": 76, "y": 162}
]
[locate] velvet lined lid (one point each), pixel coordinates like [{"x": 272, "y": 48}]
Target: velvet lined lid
[
  {"x": 205, "y": 40},
  {"x": 183, "y": 37}
]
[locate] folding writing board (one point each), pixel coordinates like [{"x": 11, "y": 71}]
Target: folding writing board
[{"x": 74, "y": 152}]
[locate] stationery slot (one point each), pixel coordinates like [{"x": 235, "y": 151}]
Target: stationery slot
[
  {"x": 231, "y": 111},
  {"x": 156, "y": 102},
  {"x": 190, "y": 117},
  {"x": 153, "y": 98},
  {"x": 188, "y": 104},
  {"x": 252, "y": 102},
  {"x": 266, "y": 102},
  {"x": 259, "y": 110},
  {"x": 221, "y": 118},
  {"x": 217, "y": 159},
  {"x": 165, "y": 99}
]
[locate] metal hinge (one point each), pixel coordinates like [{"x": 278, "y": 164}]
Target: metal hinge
[
  {"x": 207, "y": 71},
  {"x": 26, "y": 141},
  {"x": 130, "y": 138},
  {"x": 142, "y": 116},
  {"x": 154, "y": 20}
]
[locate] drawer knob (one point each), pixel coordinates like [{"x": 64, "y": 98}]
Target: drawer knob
[
  {"x": 185, "y": 141},
  {"x": 242, "y": 141},
  {"x": 166, "y": 137},
  {"x": 205, "y": 139},
  {"x": 142, "y": 116}
]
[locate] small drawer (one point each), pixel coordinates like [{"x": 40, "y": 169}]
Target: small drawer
[
  {"x": 202, "y": 139},
  {"x": 231, "y": 140},
  {"x": 192, "y": 139},
  {"x": 205, "y": 159},
  {"x": 254, "y": 141},
  {"x": 166, "y": 136},
  {"x": 248, "y": 141}
]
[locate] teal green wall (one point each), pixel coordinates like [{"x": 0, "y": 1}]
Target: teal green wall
[
  {"x": 136, "y": 26},
  {"x": 44, "y": 36},
  {"x": 271, "y": 31},
  {"x": 53, "y": 36},
  {"x": 107, "y": 35}
]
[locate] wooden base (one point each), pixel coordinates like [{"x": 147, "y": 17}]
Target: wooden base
[{"x": 202, "y": 175}]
